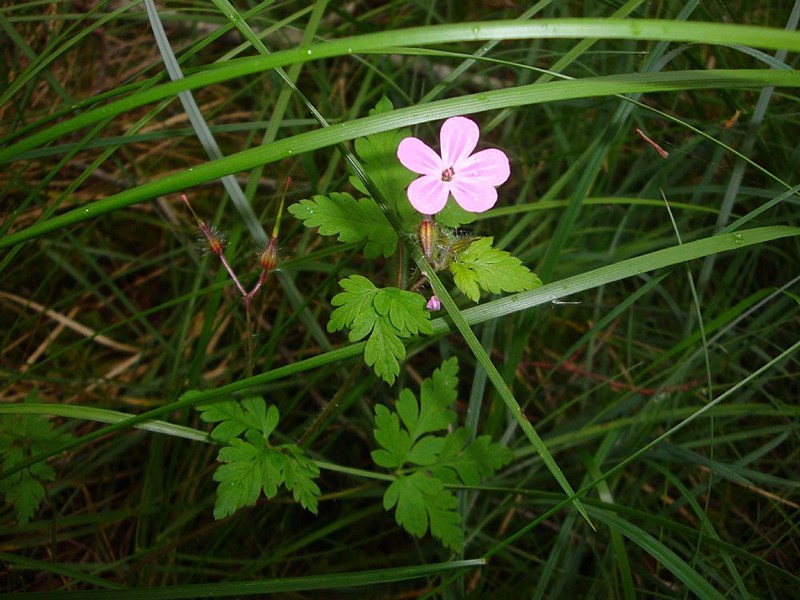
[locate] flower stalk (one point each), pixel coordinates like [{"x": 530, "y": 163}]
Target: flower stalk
[{"x": 267, "y": 261}]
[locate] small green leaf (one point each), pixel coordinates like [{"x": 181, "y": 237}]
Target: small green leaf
[
  {"x": 355, "y": 300},
  {"x": 425, "y": 451},
  {"x": 406, "y": 311},
  {"x": 395, "y": 442},
  {"x": 241, "y": 477},
  {"x": 383, "y": 350},
  {"x": 265, "y": 419},
  {"x": 378, "y": 154},
  {"x": 422, "y": 500},
  {"x": 251, "y": 465},
  {"x": 469, "y": 463},
  {"x": 481, "y": 266},
  {"x": 351, "y": 220},
  {"x": 437, "y": 395},
  {"x": 25, "y": 492},
  {"x": 452, "y": 215},
  {"x": 385, "y": 315},
  {"x": 430, "y": 461},
  {"x": 235, "y": 417},
  {"x": 299, "y": 473},
  {"x": 22, "y": 437}
]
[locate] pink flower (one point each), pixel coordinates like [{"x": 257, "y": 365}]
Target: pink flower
[
  {"x": 471, "y": 178},
  {"x": 434, "y": 303}
]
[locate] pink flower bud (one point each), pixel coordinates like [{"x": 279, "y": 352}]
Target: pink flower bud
[{"x": 434, "y": 303}]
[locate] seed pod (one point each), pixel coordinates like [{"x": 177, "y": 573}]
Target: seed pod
[
  {"x": 214, "y": 237},
  {"x": 268, "y": 258},
  {"x": 427, "y": 236}
]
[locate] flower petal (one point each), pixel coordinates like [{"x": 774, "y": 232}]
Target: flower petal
[
  {"x": 473, "y": 195},
  {"x": 487, "y": 166},
  {"x": 417, "y": 156},
  {"x": 428, "y": 194},
  {"x": 458, "y": 138}
]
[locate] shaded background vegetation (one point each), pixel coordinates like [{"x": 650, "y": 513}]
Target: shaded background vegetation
[{"x": 600, "y": 374}]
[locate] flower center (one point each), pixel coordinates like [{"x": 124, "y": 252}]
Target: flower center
[{"x": 448, "y": 173}]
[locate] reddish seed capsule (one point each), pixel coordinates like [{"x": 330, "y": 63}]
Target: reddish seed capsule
[
  {"x": 427, "y": 236},
  {"x": 215, "y": 239},
  {"x": 268, "y": 258}
]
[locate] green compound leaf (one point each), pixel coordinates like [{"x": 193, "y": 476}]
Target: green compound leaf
[
  {"x": 452, "y": 215},
  {"x": 251, "y": 465},
  {"x": 351, "y": 220},
  {"x": 425, "y": 463},
  {"x": 266, "y": 419},
  {"x": 378, "y": 154},
  {"x": 236, "y": 417},
  {"x": 246, "y": 470},
  {"x": 299, "y": 473},
  {"x": 405, "y": 311},
  {"x": 425, "y": 451},
  {"x": 436, "y": 396},
  {"x": 22, "y": 437},
  {"x": 422, "y": 500},
  {"x": 469, "y": 463},
  {"x": 24, "y": 492},
  {"x": 481, "y": 266},
  {"x": 383, "y": 351},
  {"x": 385, "y": 315},
  {"x": 354, "y": 305},
  {"x": 395, "y": 443}
]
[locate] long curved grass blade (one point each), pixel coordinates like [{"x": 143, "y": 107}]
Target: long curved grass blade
[
  {"x": 102, "y": 415},
  {"x": 693, "y": 580},
  {"x": 490, "y": 310},
  {"x": 471, "y": 104},
  {"x": 675, "y": 31},
  {"x": 330, "y": 581},
  {"x": 620, "y": 270},
  {"x": 202, "y": 130},
  {"x": 653, "y": 443}
]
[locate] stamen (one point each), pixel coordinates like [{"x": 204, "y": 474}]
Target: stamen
[{"x": 448, "y": 173}]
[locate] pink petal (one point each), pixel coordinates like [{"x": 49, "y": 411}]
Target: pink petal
[
  {"x": 458, "y": 138},
  {"x": 473, "y": 195},
  {"x": 428, "y": 194},
  {"x": 487, "y": 166},
  {"x": 417, "y": 156}
]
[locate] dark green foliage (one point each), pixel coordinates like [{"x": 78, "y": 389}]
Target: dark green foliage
[
  {"x": 250, "y": 464},
  {"x": 424, "y": 463},
  {"x": 23, "y": 437},
  {"x": 386, "y": 315},
  {"x": 482, "y": 267}
]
